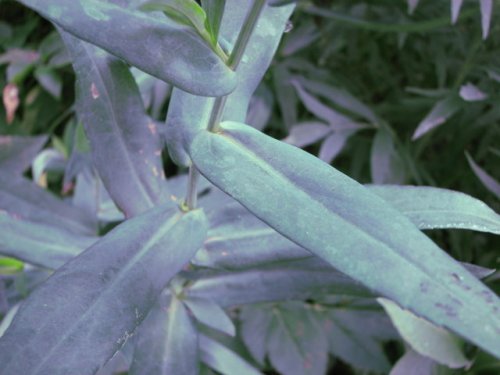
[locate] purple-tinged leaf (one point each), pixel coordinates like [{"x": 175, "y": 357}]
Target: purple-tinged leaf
[
  {"x": 277, "y": 283},
  {"x": 17, "y": 152},
  {"x": 456, "y": 5},
  {"x": 488, "y": 181},
  {"x": 351, "y": 228},
  {"x": 351, "y": 339},
  {"x": 296, "y": 343},
  {"x": 471, "y": 93},
  {"x": 412, "y": 5},
  {"x": 486, "y": 12},
  {"x": 86, "y": 311},
  {"x": 341, "y": 98},
  {"x": 26, "y": 201},
  {"x": 255, "y": 322},
  {"x": 434, "y": 208},
  {"x": 334, "y": 144},
  {"x": 175, "y": 343},
  {"x": 211, "y": 314},
  {"x": 412, "y": 363},
  {"x": 125, "y": 142},
  {"x": 385, "y": 162},
  {"x": 426, "y": 338},
  {"x": 335, "y": 119},
  {"x": 187, "y": 61},
  {"x": 39, "y": 244},
  {"x": 188, "y": 114},
  {"x": 306, "y": 133},
  {"x": 438, "y": 115}
]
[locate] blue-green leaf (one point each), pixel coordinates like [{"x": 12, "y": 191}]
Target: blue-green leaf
[
  {"x": 434, "y": 208},
  {"x": 160, "y": 47},
  {"x": 255, "y": 322},
  {"x": 296, "y": 343},
  {"x": 88, "y": 308},
  {"x": 412, "y": 363},
  {"x": 167, "y": 342},
  {"x": 188, "y": 114},
  {"x": 354, "y": 230},
  {"x": 24, "y": 200},
  {"x": 278, "y": 283},
  {"x": 426, "y": 338},
  {"x": 352, "y": 336},
  {"x": 224, "y": 360},
  {"x": 211, "y": 314},
  {"x": 40, "y": 244},
  {"x": 17, "y": 152},
  {"x": 125, "y": 143}
]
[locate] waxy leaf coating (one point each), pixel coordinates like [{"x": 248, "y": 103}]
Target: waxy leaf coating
[
  {"x": 159, "y": 47},
  {"x": 339, "y": 220},
  {"x": 86, "y": 311},
  {"x": 125, "y": 142}
]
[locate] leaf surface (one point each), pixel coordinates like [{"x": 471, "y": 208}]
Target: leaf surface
[
  {"x": 434, "y": 208},
  {"x": 296, "y": 343},
  {"x": 39, "y": 244},
  {"x": 17, "y": 152},
  {"x": 224, "y": 360},
  {"x": 24, "y": 200},
  {"x": 125, "y": 143},
  {"x": 438, "y": 115},
  {"x": 186, "y": 60},
  {"x": 87, "y": 310},
  {"x": 188, "y": 114},
  {"x": 425, "y": 338},
  {"x": 211, "y": 314},
  {"x": 272, "y": 179}
]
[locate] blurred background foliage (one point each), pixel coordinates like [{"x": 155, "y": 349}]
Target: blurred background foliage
[{"x": 387, "y": 91}]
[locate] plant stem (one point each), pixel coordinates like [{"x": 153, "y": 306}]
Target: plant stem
[
  {"x": 192, "y": 193},
  {"x": 245, "y": 33},
  {"x": 220, "y": 102}
]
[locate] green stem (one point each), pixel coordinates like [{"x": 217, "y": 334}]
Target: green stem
[
  {"x": 245, "y": 33},
  {"x": 192, "y": 192},
  {"x": 220, "y": 102}
]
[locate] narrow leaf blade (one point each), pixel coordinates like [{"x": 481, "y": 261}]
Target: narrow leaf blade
[
  {"x": 271, "y": 178},
  {"x": 87, "y": 309},
  {"x": 186, "y": 60},
  {"x": 125, "y": 143}
]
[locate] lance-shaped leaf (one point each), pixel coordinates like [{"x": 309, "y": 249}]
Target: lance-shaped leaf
[
  {"x": 39, "y": 244},
  {"x": 159, "y": 47},
  {"x": 24, "y": 200},
  {"x": 125, "y": 142},
  {"x": 167, "y": 341},
  {"x": 296, "y": 343},
  {"x": 88, "y": 308},
  {"x": 354, "y": 230},
  {"x": 439, "y": 114},
  {"x": 353, "y": 336},
  {"x": 211, "y": 314},
  {"x": 488, "y": 181},
  {"x": 188, "y": 114},
  {"x": 17, "y": 153},
  {"x": 223, "y": 359},
  {"x": 434, "y": 208},
  {"x": 426, "y": 338},
  {"x": 278, "y": 283},
  {"x": 239, "y": 240}
]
